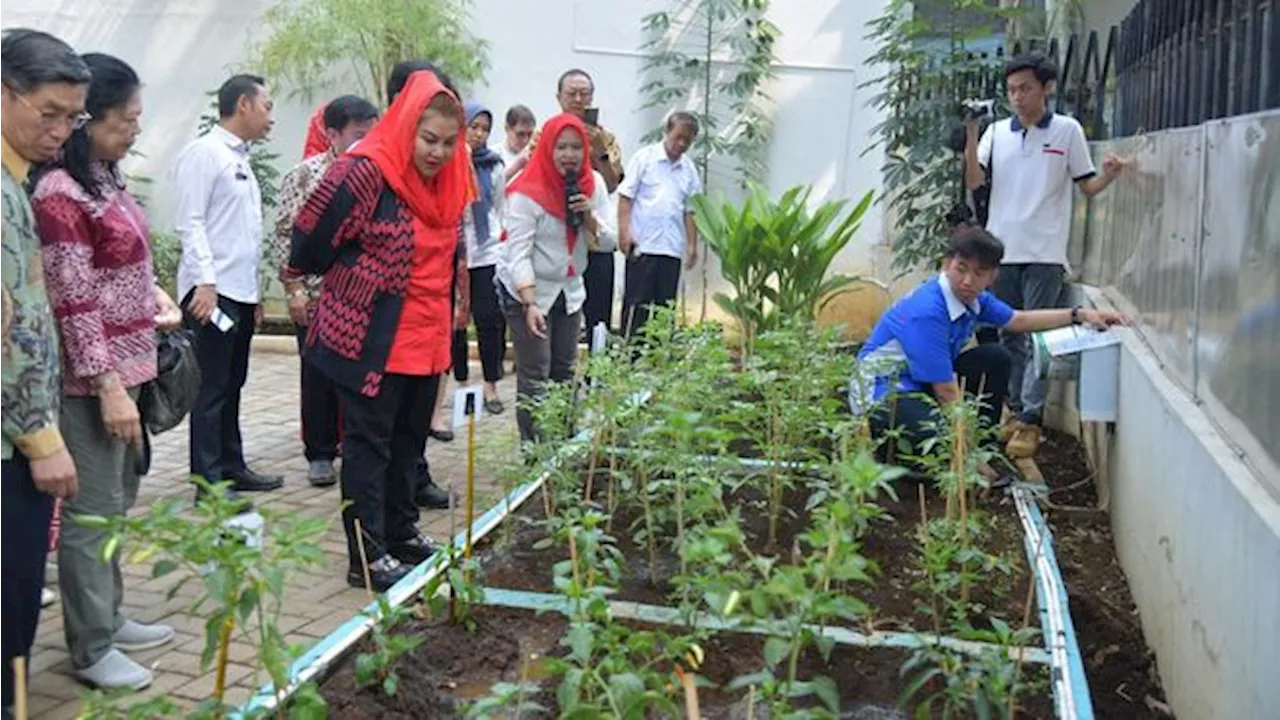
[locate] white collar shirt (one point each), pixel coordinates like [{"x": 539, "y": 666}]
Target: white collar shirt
[{"x": 659, "y": 189}]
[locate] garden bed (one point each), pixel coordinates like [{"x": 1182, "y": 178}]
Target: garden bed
[
  {"x": 1121, "y": 668},
  {"x": 455, "y": 666},
  {"x": 833, "y": 586}
]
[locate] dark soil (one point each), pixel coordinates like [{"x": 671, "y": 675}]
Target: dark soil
[
  {"x": 1120, "y": 667},
  {"x": 892, "y": 547},
  {"x": 453, "y": 666}
]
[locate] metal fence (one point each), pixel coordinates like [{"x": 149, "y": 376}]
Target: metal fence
[
  {"x": 1190, "y": 236},
  {"x": 1182, "y": 62}
]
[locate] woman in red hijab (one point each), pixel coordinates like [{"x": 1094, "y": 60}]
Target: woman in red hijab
[
  {"x": 317, "y": 139},
  {"x": 556, "y": 208},
  {"x": 382, "y": 229}
]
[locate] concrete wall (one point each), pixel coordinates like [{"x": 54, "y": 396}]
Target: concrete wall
[
  {"x": 1198, "y": 535},
  {"x": 182, "y": 48}
]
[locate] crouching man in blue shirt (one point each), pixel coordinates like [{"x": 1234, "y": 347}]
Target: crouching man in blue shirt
[{"x": 915, "y": 360}]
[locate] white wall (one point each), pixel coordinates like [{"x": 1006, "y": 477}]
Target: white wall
[
  {"x": 1198, "y": 536},
  {"x": 182, "y": 48}
]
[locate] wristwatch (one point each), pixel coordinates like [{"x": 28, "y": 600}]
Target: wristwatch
[{"x": 1075, "y": 315}]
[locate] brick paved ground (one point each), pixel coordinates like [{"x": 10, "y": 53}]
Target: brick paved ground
[{"x": 315, "y": 604}]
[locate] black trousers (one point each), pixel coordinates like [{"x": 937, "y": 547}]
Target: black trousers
[
  {"x": 382, "y": 444},
  {"x": 320, "y": 414},
  {"x": 985, "y": 366},
  {"x": 651, "y": 280},
  {"x": 491, "y": 323},
  {"x": 217, "y": 451},
  {"x": 598, "y": 282},
  {"x": 25, "y": 530}
]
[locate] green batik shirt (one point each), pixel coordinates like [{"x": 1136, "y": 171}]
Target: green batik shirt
[{"x": 32, "y": 368}]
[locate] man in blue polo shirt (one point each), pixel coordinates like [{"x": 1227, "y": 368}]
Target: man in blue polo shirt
[{"x": 914, "y": 360}]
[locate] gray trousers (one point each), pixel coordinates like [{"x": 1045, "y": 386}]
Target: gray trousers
[
  {"x": 92, "y": 590},
  {"x": 540, "y": 359},
  {"x": 1027, "y": 286}
]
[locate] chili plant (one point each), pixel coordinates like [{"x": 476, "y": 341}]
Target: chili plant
[
  {"x": 375, "y": 668},
  {"x": 243, "y": 583},
  {"x": 609, "y": 668},
  {"x": 981, "y": 684},
  {"x": 796, "y": 601}
]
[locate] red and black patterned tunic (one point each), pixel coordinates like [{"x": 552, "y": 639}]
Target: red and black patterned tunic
[{"x": 385, "y": 300}]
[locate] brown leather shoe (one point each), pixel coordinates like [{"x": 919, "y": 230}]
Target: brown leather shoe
[{"x": 1024, "y": 441}]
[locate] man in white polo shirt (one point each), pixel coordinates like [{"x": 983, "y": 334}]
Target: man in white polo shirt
[
  {"x": 655, "y": 222},
  {"x": 1032, "y": 159}
]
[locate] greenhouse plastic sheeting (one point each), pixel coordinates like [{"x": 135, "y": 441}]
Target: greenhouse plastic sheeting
[{"x": 1189, "y": 237}]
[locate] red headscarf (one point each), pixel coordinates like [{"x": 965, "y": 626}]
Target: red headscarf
[
  {"x": 541, "y": 182},
  {"x": 440, "y": 201},
  {"x": 317, "y": 138}
]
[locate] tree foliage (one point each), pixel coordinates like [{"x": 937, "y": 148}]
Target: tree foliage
[
  {"x": 310, "y": 42},
  {"x": 928, "y": 70},
  {"x": 714, "y": 58}
]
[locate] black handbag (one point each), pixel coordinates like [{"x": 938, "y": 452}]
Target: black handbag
[{"x": 168, "y": 399}]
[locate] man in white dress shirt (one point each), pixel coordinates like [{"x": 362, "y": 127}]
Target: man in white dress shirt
[
  {"x": 219, "y": 223},
  {"x": 655, "y": 221}
]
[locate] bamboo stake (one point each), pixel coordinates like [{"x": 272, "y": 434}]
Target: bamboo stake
[
  {"x": 364, "y": 559},
  {"x": 224, "y": 649},
  {"x": 1026, "y": 621},
  {"x": 20, "y": 688}
]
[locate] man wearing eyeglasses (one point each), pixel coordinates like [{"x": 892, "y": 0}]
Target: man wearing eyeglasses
[
  {"x": 42, "y": 102},
  {"x": 575, "y": 91},
  {"x": 219, "y": 223}
]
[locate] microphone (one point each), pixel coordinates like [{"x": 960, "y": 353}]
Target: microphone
[{"x": 573, "y": 220}]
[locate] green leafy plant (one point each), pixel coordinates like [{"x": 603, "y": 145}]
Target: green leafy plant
[
  {"x": 166, "y": 254},
  {"x": 506, "y": 701},
  {"x": 776, "y": 254},
  {"x": 453, "y": 593},
  {"x": 377, "y": 667},
  {"x": 243, "y": 583},
  {"x": 980, "y": 685},
  {"x": 306, "y": 41},
  {"x": 113, "y": 705},
  {"x": 794, "y": 599},
  {"x": 929, "y": 71}
]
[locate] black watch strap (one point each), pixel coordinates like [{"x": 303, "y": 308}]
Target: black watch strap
[{"x": 1075, "y": 315}]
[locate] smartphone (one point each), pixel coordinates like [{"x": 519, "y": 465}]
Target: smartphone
[
  {"x": 592, "y": 117},
  {"x": 221, "y": 320}
]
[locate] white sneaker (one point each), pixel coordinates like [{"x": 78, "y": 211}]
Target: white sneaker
[
  {"x": 135, "y": 637},
  {"x": 48, "y": 596},
  {"x": 115, "y": 671}
]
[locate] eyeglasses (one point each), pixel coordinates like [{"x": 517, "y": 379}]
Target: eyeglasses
[
  {"x": 50, "y": 120},
  {"x": 579, "y": 94}
]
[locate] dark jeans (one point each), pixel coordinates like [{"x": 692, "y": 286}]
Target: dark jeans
[
  {"x": 651, "y": 280},
  {"x": 985, "y": 366},
  {"x": 540, "y": 359},
  {"x": 1029, "y": 286},
  {"x": 320, "y": 413},
  {"x": 217, "y": 452},
  {"x": 598, "y": 280},
  {"x": 382, "y": 444},
  {"x": 491, "y": 324},
  {"x": 25, "y": 530}
]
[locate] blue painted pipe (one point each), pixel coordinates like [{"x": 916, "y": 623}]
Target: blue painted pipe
[{"x": 1071, "y": 697}]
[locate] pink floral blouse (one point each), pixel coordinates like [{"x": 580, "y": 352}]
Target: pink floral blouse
[{"x": 97, "y": 264}]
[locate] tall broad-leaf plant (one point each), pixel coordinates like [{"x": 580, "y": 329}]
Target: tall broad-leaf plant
[{"x": 776, "y": 254}]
